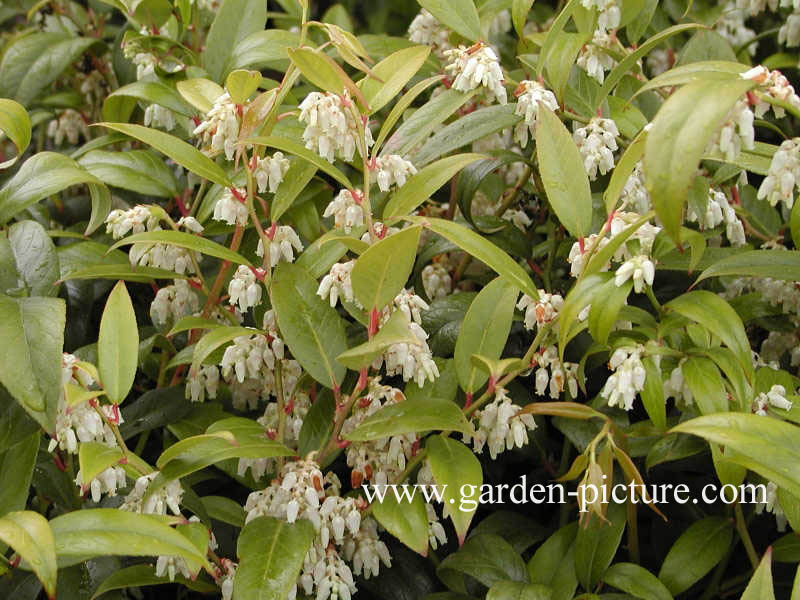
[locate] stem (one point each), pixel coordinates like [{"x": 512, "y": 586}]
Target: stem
[
  {"x": 741, "y": 527},
  {"x": 281, "y": 407},
  {"x": 512, "y": 192},
  {"x": 648, "y": 290},
  {"x": 633, "y": 533},
  {"x": 216, "y": 288}
]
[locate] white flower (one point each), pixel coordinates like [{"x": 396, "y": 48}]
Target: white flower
[
  {"x": 220, "y": 129},
  {"x": 244, "y": 289},
  {"x": 783, "y": 176},
  {"x": 531, "y": 97},
  {"x": 659, "y": 61},
  {"x": 541, "y": 311},
  {"x": 757, "y": 6},
  {"x": 608, "y": 13},
  {"x": 776, "y": 396},
  {"x": 774, "y": 85},
  {"x": 167, "y": 497},
  {"x": 500, "y": 427},
  {"x": 409, "y": 304},
  {"x": 69, "y": 125},
  {"x": 392, "y": 169},
  {"x": 226, "y": 581},
  {"x": 641, "y": 268},
  {"x": 249, "y": 356},
  {"x": 635, "y": 194},
  {"x": 594, "y": 57},
  {"x": 269, "y": 172},
  {"x": 736, "y": 132},
  {"x": 231, "y": 207},
  {"x": 719, "y": 211},
  {"x": 731, "y": 26},
  {"x": 771, "y": 504},
  {"x": 107, "y": 482},
  {"x": 173, "y": 302},
  {"x": 426, "y": 30},
  {"x": 336, "y": 284},
  {"x": 204, "y": 381},
  {"x": 190, "y": 224},
  {"x": 170, "y": 565},
  {"x": 156, "y": 115},
  {"x": 476, "y": 66},
  {"x": 436, "y": 281},
  {"x": 283, "y": 242},
  {"x": 596, "y": 142},
  {"x": 628, "y": 378},
  {"x": 789, "y": 33},
  {"x": 331, "y": 126},
  {"x": 411, "y": 360},
  {"x": 577, "y": 255},
  {"x": 346, "y": 210},
  {"x": 164, "y": 256},
  {"x": 135, "y": 220},
  {"x": 554, "y": 376}
]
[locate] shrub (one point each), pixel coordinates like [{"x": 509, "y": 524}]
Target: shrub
[{"x": 528, "y": 259}]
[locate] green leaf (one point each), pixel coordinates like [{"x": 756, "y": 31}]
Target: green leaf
[
  {"x": 553, "y": 564},
  {"x": 483, "y": 250},
  {"x": 695, "y": 553},
  {"x": 84, "y": 534},
  {"x": 465, "y": 130},
  {"x": 406, "y": 520},
  {"x": 94, "y": 458},
  {"x": 761, "y": 446},
  {"x": 401, "y": 105},
  {"x": 35, "y": 257},
  {"x": 155, "y": 92},
  {"x": 603, "y": 315},
  {"x": 794, "y": 224},
  {"x": 517, "y": 590},
  {"x": 459, "y": 15},
  {"x": 554, "y": 33},
  {"x": 17, "y": 463},
  {"x": 716, "y": 315},
  {"x": 394, "y": 331},
  {"x": 264, "y": 49},
  {"x": 182, "y": 153},
  {"x": 186, "y": 240},
  {"x": 139, "y": 171},
  {"x": 563, "y": 175},
  {"x": 422, "y": 185},
  {"x": 625, "y": 166},
  {"x": 15, "y": 123},
  {"x": 394, "y": 72},
  {"x": 216, "y": 338},
  {"x": 776, "y": 264},
  {"x": 680, "y": 133},
  {"x": 124, "y": 271},
  {"x": 32, "y": 330},
  {"x": 652, "y": 394},
  {"x": 235, "y": 20},
  {"x": 719, "y": 70},
  {"x": 293, "y": 147},
  {"x": 200, "y": 92},
  {"x": 458, "y": 471},
  {"x": 322, "y": 71},
  {"x": 560, "y": 60},
  {"x": 221, "y": 508},
  {"x": 317, "y": 424},
  {"x": 519, "y": 14},
  {"x": 637, "y": 581},
  {"x": 118, "y": 345},
  {"x": 28, "y": 533},
  {"x": 381, "y": 272},
  {"x": 596, "y": 544},
  {"x": 271, "y": 553},
  {"x": 579, "y": 297},
  {"x": 411, "y": 416},
  {"x": 487, "y": 558},
  {"x": 314, "y": 332},
  {"x": 241, "y": 84},
  {"x": 484, "y": 331},
  {"x": 144, "y": 575},
  {"x": 42, "y": 175},
  {"x": 298, "y": 175}
]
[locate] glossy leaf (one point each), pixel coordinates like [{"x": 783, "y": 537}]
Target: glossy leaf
[
  {"x": 118, "y": 345},
  {"x": 637, "y": 581},
  {"x": 235, "y": 20},
  {"x": 459, "y": 15},
  {"x": 760, "y": 586},
  {"x": 297, "y": 177},
  {"x": 139, "y": 171},
  {"x": 28, "y": 533},
  {"x": 94, "y": 458},
  {"x": 15, "y": 123},
  {"x": 381, "y": 272},
  {"x": 395, "y": 331},
  {"x": 776, "y": 264},
  {"x": 394, "y": 72},
  {"x": 186, "y": 240},
  {"x": 405, "y": 520},
  {"x": 410, "y": 416},
  {"x": 487, "y": 558},
  {"x": 293, "y": 147}
]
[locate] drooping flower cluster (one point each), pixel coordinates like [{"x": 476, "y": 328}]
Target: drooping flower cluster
[
  {"x": 635, "y": 195},
  {"x": 378, "y": 461},
  {"x": 731, "y": 26},
  {"x": 608, "y": 13},
  {"x": 500, "y": 426},
  {"x": 595, "y": 58},
  {"x": 426, "y": 30},
  {"x": 640, "y": 268},
  {"x": 231, "y": 207},
  {"x": 173, "y": 302},
  {"x": 783, "y": 177},
  {"x": 392, "y": 170},
  {"x": 736, "y": 133},
  {"x": 597, "y": 142},
  {"x": 201, "y": 382},
  {"x": 301, "y": 492},
  {"x": 244, "y": 289},
  {"x": 336, "y": 284},
  {"x": 269, "y": 172},
  {"x": 156, "y": 115},
  {"x": 70, "y": 125},
  {"x": 283, "y": 241},
  {"x": 541, "y": 311},
  {"x": 552, "y": 375},
  {"x": 789, "y": 32},
  {"x": 436, "y": 281},
  {"x": 166, "y": 497},
  {"x": 774, "y": 86},
  {"x": 776, "y": 396},
  {"x": 628, "y": 378},
  {"x": 532, "y": 96},
  {"x": 476, "y": 66},
  {"x": 331, "y": 126},
  {"x": 220, "y": 129},
  {"x": 719, "y": 211},
  {"x": 772, "y": 505},
  {"x": 346, "y": 210}
]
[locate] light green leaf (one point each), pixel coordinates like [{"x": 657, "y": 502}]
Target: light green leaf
[
  {"x": 139, "y": 171},
  {"x": 144, "y": 575},
  {"x": 264, "y": 49},
  {"x": 423, "y": 184},
  {"x": 554, "y": 33},
  {"x": 637, "y": 581},
  {"x": 455, "y": 467},
  {"x": 603, "y": 315},
  {"x": 182, "y": 153},
  {"x": 680, "y": 133},
  {"x": 394, "y": 331},
  {"x": 563, "y": 175},
  {"x": 695, "y": 553},
  {"x": 35, "y": 257},
  {"x": 706, "y": 385},
  {"x": 155, "y": 92},
  {"x": 271, "y": 553},
  {"x": 625, "y": 166},
  {"x": 122, "y": 271},
  {"x": 776, "y": 264},
  {"x": 652, "y": 394},
  {"x": 183, "y": 239},
  {"x": 15, "y": 123},
  {"x": 579, "y": 297},
  {"x": 200, "y": 92},
  {"x": 118, "y": 344},
  {"x": 482, "y": 249},
  {"x": 298, "y": 175},
  {"x": 314, "y": 332},
  {"x": 394, "y": 72},
  {"x": 235, "y": 20},
  {"x": 484, "y": 331},
  {"x": 760, "y": 586},
  {"x": 28, "y": 533},
  {"x": 487, "y": 558},
  {"x": 32, "y": 330},
  {"x": 411, "y": 416},
  {"x": 459, "y": 15},
  {"x": 596, "y": 544},
  {"x": 519, "y": 14},
  {"x": 241, "y": 84},
  {"x": 718, "y": 70},
  {"x": 293, "y": 147},
  {"x": 406, "y": 520},
  {"x": 401, "y": 105},
  {"x": 94, "y": 458},
  {"x": 216, "y": 338},
  {"x": 325, "y": 73},
  {"x": 18, "y": 460},
  {"x": 383, "y": 269}
]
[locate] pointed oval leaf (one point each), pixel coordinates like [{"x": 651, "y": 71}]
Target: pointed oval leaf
[
  {"x": 381, "y": 272},
  {"x": 637, "y": 581},
  {"x": 29, "y": 534},
  {"x": 118, "y": 344},
  {"x": 394, "y": 331},
  {"x": 184, "y": 240},
  {"x": 96, "y": 457},
  {"x": 16, "y": 124},
  {"x": 235, "y": 20},
  {"x": 406, "y": 520},
  {"x": 411, "y": 416},
  {"x": 293, "y": 147},
  {"x": 459, "y": 15},
  {"x": 394, "y": 72}
]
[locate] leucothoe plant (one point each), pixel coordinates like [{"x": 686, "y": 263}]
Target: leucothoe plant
[{"x": 259, "y": 261}]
